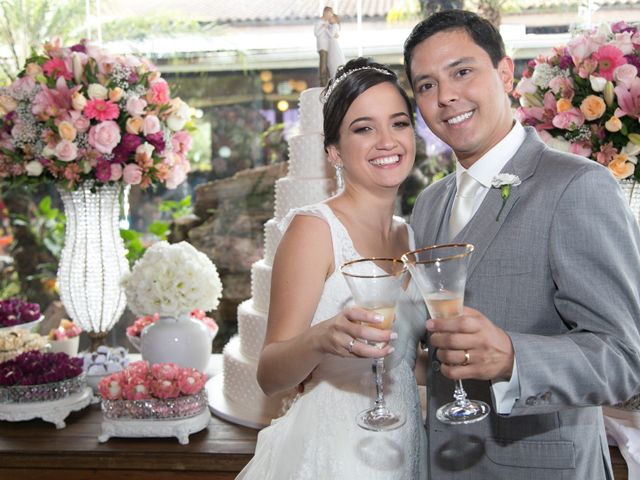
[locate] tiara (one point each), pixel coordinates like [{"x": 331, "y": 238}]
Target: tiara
[{"x": 337, "y": 81}]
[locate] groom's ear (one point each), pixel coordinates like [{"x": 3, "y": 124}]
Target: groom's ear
[{"x": 505, "y": 71}]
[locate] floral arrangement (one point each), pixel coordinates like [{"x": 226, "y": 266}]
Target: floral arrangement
[
  {"x": 140, "y": 381},
  {"x": 79, "y": 113},
  {"x": 14, "y": 311},
  {"x": 585, "y": 98},
  {"x": 172, "y": 280},
  {"x": 65, "y": 331},
  {"x": 140, "y": 323},
  {"x": 36, "y": 368}
]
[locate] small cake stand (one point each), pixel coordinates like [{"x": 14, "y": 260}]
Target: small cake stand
[
  {"x": 54, "y": 411},
  {"x": 180, "y": 428}
]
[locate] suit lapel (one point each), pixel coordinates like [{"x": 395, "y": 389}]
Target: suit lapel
[{"x": 485, "y": 224}]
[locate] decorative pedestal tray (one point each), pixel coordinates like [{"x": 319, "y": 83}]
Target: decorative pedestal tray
[
  {"x": 54, "y": 411},
  {"x": 180, "y": 428}
]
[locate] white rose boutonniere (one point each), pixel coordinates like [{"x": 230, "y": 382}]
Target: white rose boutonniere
[{"x": 504, "y": 181}]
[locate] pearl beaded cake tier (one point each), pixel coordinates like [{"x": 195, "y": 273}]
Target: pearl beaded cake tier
[
  {"x": 252, "y": 328},
  {"x": 243, "y": 400},
  {"x": 272, "y": 237},
  {"x": 311, "y": 119},
  {"x": 261, "y": 285},
  {"x": 296, "y": 192},
  {"x": 307, "y": 158}
]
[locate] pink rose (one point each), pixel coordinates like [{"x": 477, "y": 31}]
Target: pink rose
[
  {"x": 116, "y": 172},
  {"x": 66, "y": 150},
  {"x": 165, "y": 388},
  {"x": 569, "y": 120},
  {"x": 151, "y": 125},
  {"x": 135, "y": 106},
  {"x": 111, "y": 387},
  {"x": 165, "y": 371},
  {"x": 105, "y": 136},
  {"x": 178, "y": 169},
  {"x": 139, "y": 368},
  {"x": 191, "y": 381},
  {"x": 132, "y": 174},
  {"x": 138, "y": 388},
  {"x": 625, "y": 74}
]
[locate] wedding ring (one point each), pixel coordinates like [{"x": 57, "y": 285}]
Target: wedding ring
[
  {"x": 467, "y": 357},
  {"x": 351, "y": 344}
]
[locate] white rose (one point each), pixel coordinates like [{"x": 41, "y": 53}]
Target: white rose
[
  {"x": 97, "y": 91},
  {"x": 597, "y": 83},
  {"x": 34, "y": 168},
  {"x": 179, "y": 117}
]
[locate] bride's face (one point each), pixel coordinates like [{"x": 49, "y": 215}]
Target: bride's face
[{"x": 377, "y": 142}]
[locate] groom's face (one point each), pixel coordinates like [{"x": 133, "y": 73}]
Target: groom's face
[{"x": 460, "y": 94}]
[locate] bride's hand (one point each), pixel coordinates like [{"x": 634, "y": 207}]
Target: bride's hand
[{"x": 344, "y": 335}]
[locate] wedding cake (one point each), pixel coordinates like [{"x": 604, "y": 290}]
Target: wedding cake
[{"x": 235, "y": 394}]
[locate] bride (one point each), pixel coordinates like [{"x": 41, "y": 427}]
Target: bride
[{"x": 312, "y": 330}]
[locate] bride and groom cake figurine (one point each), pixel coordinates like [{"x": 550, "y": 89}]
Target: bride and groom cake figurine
[
  {"x": 542, "y": 358},
  {"x": 327, "y": 31}
]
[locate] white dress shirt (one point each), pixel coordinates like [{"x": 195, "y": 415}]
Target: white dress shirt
[{"x": 505, "y": 393}]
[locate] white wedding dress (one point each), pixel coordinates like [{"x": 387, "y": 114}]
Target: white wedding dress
[{"x": 318, "y": 437}]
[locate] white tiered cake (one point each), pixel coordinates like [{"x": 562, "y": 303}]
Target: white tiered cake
[{"x": 235, "y": 394}]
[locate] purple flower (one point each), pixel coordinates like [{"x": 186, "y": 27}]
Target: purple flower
[
  {"x": 565, "y": 62},
  {"x": 157, "y": 140},
  {"x": 14, "y": 311},
  {"x": 103, "y": 170},
  {"x": 127, "y": 145},
  {"x": 36, "y": 368},
  {"x": 79, "y": 47}
]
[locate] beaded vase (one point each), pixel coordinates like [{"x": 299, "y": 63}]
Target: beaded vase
[{"x": 93, "y": 259}]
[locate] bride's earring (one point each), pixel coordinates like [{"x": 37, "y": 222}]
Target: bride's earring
[{"x": 339, "y": 177}]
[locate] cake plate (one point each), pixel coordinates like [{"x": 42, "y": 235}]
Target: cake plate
[
  {"x": 54, "y": 411},
  {"x": 222, "y": 408},
  {"x": 180, "y": 428}
]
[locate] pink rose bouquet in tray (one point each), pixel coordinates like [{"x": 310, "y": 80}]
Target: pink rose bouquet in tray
[
  {"x": 585, "y": 97},
  {"x": 140, "y": 381},
  {"x": 79, "y": 113}
]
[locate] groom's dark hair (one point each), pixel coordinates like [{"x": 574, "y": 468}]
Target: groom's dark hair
[{"x": 481, "y": 30}]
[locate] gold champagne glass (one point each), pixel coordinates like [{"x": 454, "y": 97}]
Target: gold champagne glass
[
  {"x": 375, "y": 284},
  {"x": 440, "y": 272}
]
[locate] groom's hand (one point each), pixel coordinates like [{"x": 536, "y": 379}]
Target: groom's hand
[{"x": 471, "y": 346}]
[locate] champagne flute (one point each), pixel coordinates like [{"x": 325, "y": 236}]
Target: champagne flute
[
  {"x": 440, "y": 272},
  {"x": 375, "y": 284}
]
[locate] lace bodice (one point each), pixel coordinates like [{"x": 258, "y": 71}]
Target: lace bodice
[{"x": 318, "y": 436}]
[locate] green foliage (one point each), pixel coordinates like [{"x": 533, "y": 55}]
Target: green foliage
[
  {"x": 137, "y": 242},
  {"x": 46, "y": 223}
]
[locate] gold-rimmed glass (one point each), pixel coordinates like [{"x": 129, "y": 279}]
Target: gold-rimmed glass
[
  {"x": 376, "y": 284},
  {"x": 440, "y": 272}
]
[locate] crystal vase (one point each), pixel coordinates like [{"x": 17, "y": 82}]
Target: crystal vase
[
  {"x": 93, "y": 259},
  {"x": 631, "y": 190}
]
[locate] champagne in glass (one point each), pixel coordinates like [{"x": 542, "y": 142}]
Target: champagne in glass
[
  {"x": 375, "y": 284},
  {"x": 440, "y": 272}
]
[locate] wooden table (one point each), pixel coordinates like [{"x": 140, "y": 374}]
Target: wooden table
[{"x": 36, "y": 450}]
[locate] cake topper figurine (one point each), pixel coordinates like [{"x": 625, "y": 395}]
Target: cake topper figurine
[{"x": 322, "y": 31}]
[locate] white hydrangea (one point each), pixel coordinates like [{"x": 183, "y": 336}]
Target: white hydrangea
[{"x": 172, "y": 280}]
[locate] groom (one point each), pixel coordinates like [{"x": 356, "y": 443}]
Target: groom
[{"x": 550, "y": 328}]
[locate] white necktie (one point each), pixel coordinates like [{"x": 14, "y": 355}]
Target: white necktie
[{"x": 462, "y": 210}]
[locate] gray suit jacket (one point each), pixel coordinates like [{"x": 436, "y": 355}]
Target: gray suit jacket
[{"x": 559, "y": 271}]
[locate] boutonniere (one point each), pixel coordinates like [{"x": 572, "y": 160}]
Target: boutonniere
[{"x": 504, "y": 181}]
